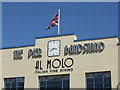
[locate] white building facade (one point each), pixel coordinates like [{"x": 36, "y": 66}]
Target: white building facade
[{"x": 62, "y": 62}]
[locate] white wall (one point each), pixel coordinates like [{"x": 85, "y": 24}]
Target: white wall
[{"x": 104, "y": 61}]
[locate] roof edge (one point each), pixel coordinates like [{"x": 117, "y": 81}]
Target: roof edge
[
  {"x": 12, "y": 47},
  {"x": 59, "y": 36},
  {"x": 54, "y": 36},
  {"x": 96, "y": 38}
]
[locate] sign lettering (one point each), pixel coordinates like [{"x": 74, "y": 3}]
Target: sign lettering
[
  {"x": 17, "y": 54},
  {"x": 34, "y": 53},
  {"x": 87, "y": 48},
  {"x": 56, "y": 65}
]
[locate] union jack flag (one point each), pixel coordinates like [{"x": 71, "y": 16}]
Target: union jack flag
[{"x": 53, "y": 22}]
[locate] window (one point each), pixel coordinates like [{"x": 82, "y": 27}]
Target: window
[
  {"x": 99, "y": 80},
  {"x": 14, "y": 83},
  {"x": 59, "y": 82}
]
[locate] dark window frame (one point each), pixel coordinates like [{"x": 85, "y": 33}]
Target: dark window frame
[
  {"x": 16, "y": 82},
  {"x": 61, "y": 79},
  {"x": 103, "y": 76}
]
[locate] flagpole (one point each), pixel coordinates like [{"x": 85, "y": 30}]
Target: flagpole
[{"x": 58, "y": 21}]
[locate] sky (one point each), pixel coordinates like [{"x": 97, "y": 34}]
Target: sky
[{"x": 22, "y": 22}]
